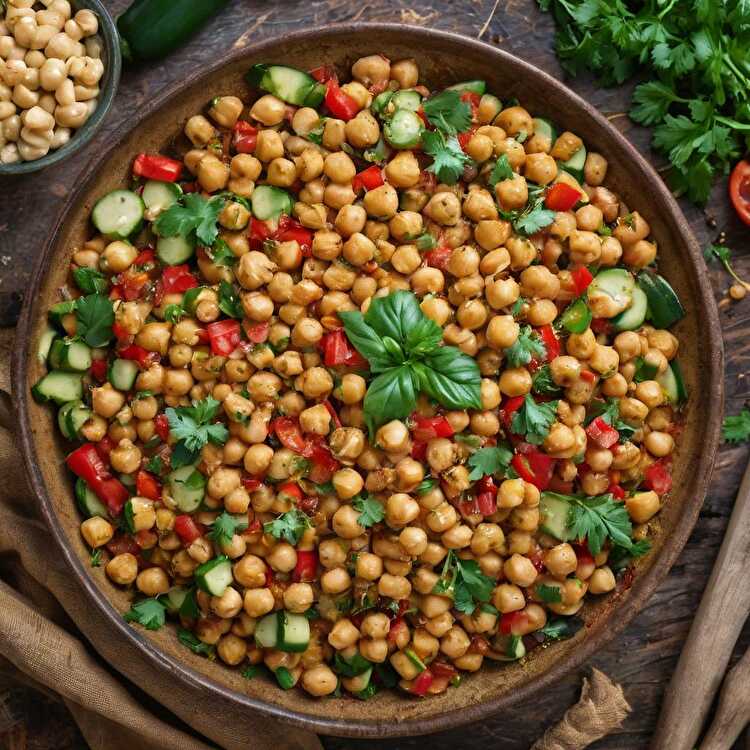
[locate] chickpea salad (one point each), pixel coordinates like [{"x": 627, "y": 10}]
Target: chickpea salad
[{"x": 366, "y": 383}]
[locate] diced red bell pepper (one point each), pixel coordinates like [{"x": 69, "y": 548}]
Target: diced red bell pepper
[
  {"x": 418, "y": 450},
  {"x": 602, "y": 433},
  {"x": 119, "y": 332},
  {"x": 439, "y": 257},
  {"x": 290, "y": 230},
  {"x": 616, "y": 491},
  {"x": 551, "y": 342},
  {"x": 86, "y": 463},
  {"x": 512, "y": 623},
  {"x": 146, "y": 257},
  {"x": 177, "y": 279},
  {"x": 334, "y": 414},
  {"x": 588, "y": 375},
  {"x": 561, "y": 197},
  {"x": 290, "y": 491},
  {"x": 422, "y": 683},
  {"x": 429, "y": 428},
  {"x": 581, "y": 279},
  {"x": 104, "y": 447},
  {"x": 259, "y": 233},
  {"x": 258, "y": 332},
  {"x": 324, "y": 465},
  {"x": 509, "y": 408},
  {"x": 465, "y": 137},
  {"x": 533, "y": 466},
  {"x": 288, "y": 431},
  {"x": 187, "y": 529},
  {"x": 161, "y": 427},
  {"x": 307, "y": 565},
  {"x": 338, "y": 351},
  {"x": 339, "y": 103},
  {"x": 98, "y": 369},
  {"x": 157, "y": 167},
  {"x": 487, "y": 503},
  {"x": 147, "y": 485},
  {"x": 368, "y": 179},
  {"x": 251, "y": 484},
  {"x": 323, "y": 74},
  {"x": 244, "y": 137},
  {"x": 138, "y": 354},
  {"x": 658, "y": 477},
  {"x": 224, "y": 336}
]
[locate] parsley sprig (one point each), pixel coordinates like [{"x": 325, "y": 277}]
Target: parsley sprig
[
  {"x": 290, "y": 526},
  {"x": 526, "y": 347},
  {"x": 465, "y": 582},
  {"x": 193, "y": 427},
  {"x": 371, "y": 511},
  {"x": 724, "y": 255},
  {"x": 489, "y": 461},
  {"x": 193, "y": 217},
  {"x": 533, "y": 420}
]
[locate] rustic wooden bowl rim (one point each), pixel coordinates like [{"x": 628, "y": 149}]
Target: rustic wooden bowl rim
[{"x": 427, "y": 722}]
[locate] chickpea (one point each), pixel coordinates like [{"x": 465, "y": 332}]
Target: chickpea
[
  {"x": 335, "y": 581},
  {"x": 594, "y": 169},
  {"x": 643, "y": 506},
  {"x": 403, "y": 170},
  {"x": 368, "y": 566},
  {"x": 515, "y": 381},
  {"x": 258, "y": 602},
  {"x": 394, "y": 586},
  {"x": 541, "y": 169},
  {"x": 444, "y": 208},
  {"x": 640, "y": 254},
  {"x": 319, "y": 680},
  {"x": 405, "y": 73},
  {"x": 363, "y": 130},
  {"x": 125, "y": 457},
  {"x": 122, "y": 569},
  {"x": 520, "y": 570},
  {"x": 343, "y": 635},
  {"x": 106, "y": 401},
  {"x": 96, "y": 531},
  {"x": 152, "y": 582},
  {"x": 602, "y": 581},
  {"x": 512, "y": 193}
]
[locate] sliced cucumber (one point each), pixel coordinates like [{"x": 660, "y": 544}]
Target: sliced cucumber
[
  {"x": 118, "y": 214},
  {"x": 509, "y": 648},
  {"x": 159, "y": 196},
  {"x": 404, "y": 129},
  {"x": 672, "y": 384},
  {"x": 291, "y": 85},
  {"x": 490, "y": 107},
  {"x": 62, "y": 418},
  {"x": 474, "y": 87},
  {"x": 88, "y": 502},
  {"x": 294, "y": 632},
  {"x": 615, "y": 282},
  {"x": 381, "y": 102},
  {"x": 544, "y": 128},
  {"x": 554, "y": 511},
  {"x": 215, "y": 575},
  {"x": 187, "y": 486},
  {"x": 267, "y": 631},
  {"x": 577, "y": 317},
  {"x": 634, "y": 316},
  {"x": 71, "y": 417},
  {"x": 663, "y": 302},
  {"x": 173, "y": 251},
  {"x": 45, "y": 343},
  {"x": 407, "y": 99},
  {"x": 122, "y": 374},
  {"x": 59, "y": 387},
  {"x": 175, "y": 598},
  {"x": 268, "y": 202},
  {"x": 69, "y": 355},
  {"x": 574, "y": 165},
  {"x": 59, "y": 310}
]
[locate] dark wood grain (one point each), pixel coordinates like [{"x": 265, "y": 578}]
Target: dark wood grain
[{"x": 644, "y": 656}]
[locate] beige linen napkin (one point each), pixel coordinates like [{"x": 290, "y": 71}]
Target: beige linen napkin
[{"x": 42, "y": 610}]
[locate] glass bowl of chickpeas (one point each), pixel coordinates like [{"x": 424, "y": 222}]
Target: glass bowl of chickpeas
[
  {"x": 60, "y": 67},
  {"x": 366, "y": 378}
]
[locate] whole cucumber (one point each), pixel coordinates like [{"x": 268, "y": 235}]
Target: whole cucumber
[{"x": 151, "y": 29}]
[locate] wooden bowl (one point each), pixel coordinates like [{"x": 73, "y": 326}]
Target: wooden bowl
[{"x": 443, "y": 58}]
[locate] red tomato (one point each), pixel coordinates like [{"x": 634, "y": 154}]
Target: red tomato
[
  {"x": 561, "y": 197},
  {"x": 306, "y": 567},
  {"x": 323, "y": 74},
  {"x": 369, "y": 179},
  {"x": 339, "y": 103},
  {"x": 438, "y": 258},
  {"x": 147, "y": 485},
  {"x": 465, "y": 137},
  {"x": 739, "y": 190},
  {"x": 533, "y": 466},
  {"x": 428, "y": 428},
  {"x": 177, "y": 279},
  {"x": 224, "y": 336},
  {"x": 289, "y": 230},
  {"x": 324, "y": 465},
  {"x": 511, "y": 623},
  {"x": 187, "y": 529},
  {"x": 99, "y": 369},
  {"x": 418, "y": 450},
  {"x": 161, "y": 427},
  {"x": 601, "y": 325},
  {"x": 658, "y": 477},
  {"x": 288, "y": 431},
  {"x": 512, "y": 405},
  {"x": 603, "y": 434},
  {"x": 337, "y": 351},
  {"x": 290, "y": 491},
  {"x": 251, "y": 483},
  {"x": 551, "y": 342},
  {"x": 259, "y": 233},
  {"x": 244, "y": 137},
  {"x": 581, "y": 279},
  {"x": 422, "y": 683},
  {"x": 256, "y": 333},
  {"x": 157, "y": 167},
  {"x": 138, "y": 354}
]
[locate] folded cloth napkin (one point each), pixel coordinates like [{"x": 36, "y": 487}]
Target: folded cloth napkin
[{"x": 51, "y": 638}]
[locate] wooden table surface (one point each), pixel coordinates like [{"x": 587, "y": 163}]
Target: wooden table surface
[{"x": 643, "y": 657}]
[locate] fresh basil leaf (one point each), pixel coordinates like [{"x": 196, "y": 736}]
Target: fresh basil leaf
[
  {"x": 391, "y": 395},
  {"x": 424, "y": 336},
  {"x": 450, "y": 377},
  {"x": 367, "y": 342},
  {"x": 396, "y": 316}
]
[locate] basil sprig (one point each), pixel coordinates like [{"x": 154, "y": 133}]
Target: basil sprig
[{"x": 403, "y": 347}]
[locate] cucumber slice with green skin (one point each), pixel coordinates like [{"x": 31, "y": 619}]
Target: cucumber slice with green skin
[
  {"x": 407, "y": 99},
  {"x": 663, "y": 302},
  {"x": 381, "y": 101},
  {"x": 59, "y": 310},
  {"x": 378, "y": 153},
  {"x": 644, "y": 370},
  {"x": 175, "y": 598},
  {"x": 404, "y": 130},
  {"x": 69, "y": 355},
  {"x": 633, "y": 317},
  {"x": 291, "y": 85},
  {"x": 214, "y": 576},
  {"x": 45, "y": 343},
  {"x": 122, "y": 374},
  {"x": 174, "y": 251},
  {"x": 554, "y": 511},
  {"x": 71, "y": 417},
  {"x": 545, "y": 128},
  {"x": 574, "y": 165},
  {"x": 285, "y": 678},
  {"x": 267, "y": 631},
  {"x": 490, "y": 106},
  {"x": 474, "y": 87},
  {"x": 577, "y": 317},
  {"x": 118, "y": 214},
  {"x": 187, "y": 486},
  {"x": 510, "y": 648},
  {"x": 294, "y": 632},
  {"x": 62, "y": 418},
  {"x": 159, "y": 196},
  {"x": 88, "y": 502},
  {"x": 615, "y": 282},
  {"x": 672, "y": 384},
  {"x": 59, "y": 387},
  {"x": 268, "y": 202}
]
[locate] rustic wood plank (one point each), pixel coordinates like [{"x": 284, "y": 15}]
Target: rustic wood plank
[{"x": 644, "y": 656}]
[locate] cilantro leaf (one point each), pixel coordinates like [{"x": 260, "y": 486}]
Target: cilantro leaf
[
  {"x": 221, "y": 255},
  {"x": 173, "y": 313},
  {"x": 533, "y": 221},
  {"x": 371, "y": 511},
  {"x": 489, "y": 462},
  {"x": 290, "y": 526},
  {"x": 543, "y": 384},
  {"x": 465, "y": 582},
  {"x": 525, "y": 348},
  {"x": 94, "y": 318},
  {"x": 447, "y": 112},
  {"x": 225, "y": 527},
  {"x": 448, "y": 157},
  {"x": 501, "y": 171},
  {"x": 597, "y": 519},
  {"x": 724, "y": 255},
  {"x": 426, "y": 485},
  {"x": 736, "y": 428},
  {"x": 90, "y": 281},
  {"x": 193, "y": 216},
  {"x": 189, "y": 639},
  {"x": 229, "y": 301},
  {"x": 533, "y": 420},
  {"x": 548, "y": 594},
  {"x": 560, "y": 628},
  {"x": 193, "y": 428},
  {"x": 148, "y": 612}
]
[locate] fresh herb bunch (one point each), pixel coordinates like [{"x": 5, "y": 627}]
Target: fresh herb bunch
[
  {"x": 449, "y": 115},
  {"x": 403, "y": 347},
  {"x": 693, "y": 54}
]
